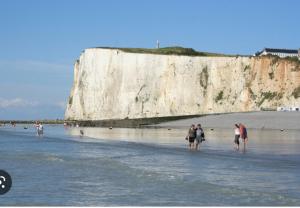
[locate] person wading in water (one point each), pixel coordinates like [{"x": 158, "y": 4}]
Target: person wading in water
[
  {"x": 237, "y": 136},
  {"x": 199, "y": 136},
  {"x": 191, "y": 136},
  {"x": 243, "y": 134}
]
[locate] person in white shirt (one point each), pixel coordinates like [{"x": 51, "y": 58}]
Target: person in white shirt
[
  {"x": 40, "y": 130},
  {"x": 237, "y": 136}
]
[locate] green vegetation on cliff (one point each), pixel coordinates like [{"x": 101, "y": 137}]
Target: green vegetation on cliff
[
  {"x": 275, "y": 59},
  {"x": 219, "y": 96},
  {"x": 176, "y": 50},
  {"x": 269, "y": 96},
  {"x": 296, "y": 92},
  {"x": 71, "y": 100},
  {"x": 204, "y": 78}
]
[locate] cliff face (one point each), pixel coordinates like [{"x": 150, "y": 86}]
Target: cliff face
[{"x": 112, "y": 84}]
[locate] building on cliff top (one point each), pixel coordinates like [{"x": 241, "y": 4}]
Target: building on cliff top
[{"x": 279, "y": 52}]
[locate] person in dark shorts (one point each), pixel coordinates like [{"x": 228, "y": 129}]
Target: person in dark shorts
[
  {"x": 237, "y": 136},
  {"x": 199, "y": 136},
  {"x": 191, "y": 136}
]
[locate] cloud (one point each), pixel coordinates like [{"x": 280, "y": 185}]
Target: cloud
[
  {"x": 17, "y": 102},
  {"x": 33, "y": 65},
  {"x": 61, "y": 104}
]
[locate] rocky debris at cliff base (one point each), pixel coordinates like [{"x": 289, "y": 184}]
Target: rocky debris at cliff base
[{"x": 253, "y": 120}]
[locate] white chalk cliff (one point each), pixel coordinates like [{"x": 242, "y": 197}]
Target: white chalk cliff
[{"x": 113, "y": 84}]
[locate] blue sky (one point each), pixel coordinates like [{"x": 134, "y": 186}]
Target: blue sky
[{"x": 40, "y": 40}]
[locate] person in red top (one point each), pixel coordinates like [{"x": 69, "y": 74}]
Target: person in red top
[{"x": 243, "y": 133}]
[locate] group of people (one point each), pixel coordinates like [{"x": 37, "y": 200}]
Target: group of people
[
  {"x": 39, "y": 128},
  {"x": 196, "y": 136}
]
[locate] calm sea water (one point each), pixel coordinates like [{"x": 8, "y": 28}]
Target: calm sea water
[{"x": 148, "y": 167}]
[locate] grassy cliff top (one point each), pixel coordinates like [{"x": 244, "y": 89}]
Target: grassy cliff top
[{"x": 176, "y": 50}]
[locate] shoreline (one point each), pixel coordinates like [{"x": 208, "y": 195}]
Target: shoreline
[
  {"x": 46, "y": 121},
  {"x": 273, "y": 120}
]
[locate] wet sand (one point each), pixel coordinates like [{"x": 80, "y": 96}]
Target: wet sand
[{"x": 253, "y": 120}]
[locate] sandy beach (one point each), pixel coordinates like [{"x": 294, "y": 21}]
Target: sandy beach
[{"x": 253, "y": 120}]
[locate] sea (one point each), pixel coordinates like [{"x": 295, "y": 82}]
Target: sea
[{"x": 148, "y": 167}]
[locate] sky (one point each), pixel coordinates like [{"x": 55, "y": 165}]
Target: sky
[{"x": 41, "y": 40}]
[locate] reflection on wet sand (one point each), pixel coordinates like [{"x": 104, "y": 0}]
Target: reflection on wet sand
[
  {"x": 134, "y": 135},
  {"x": 264, "y": 141}
]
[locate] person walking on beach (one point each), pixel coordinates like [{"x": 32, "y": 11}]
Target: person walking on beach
[
  {"x": 191, "y": 136},
  {"x": 243, "y": 134},
  {"x": 237, "y": 136},
  {"x": 81, "y": 133},
  {"x": 199, "y": 136},
  {"x": 40, "y": 129},
  {"x": 36, "y": 125}
]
